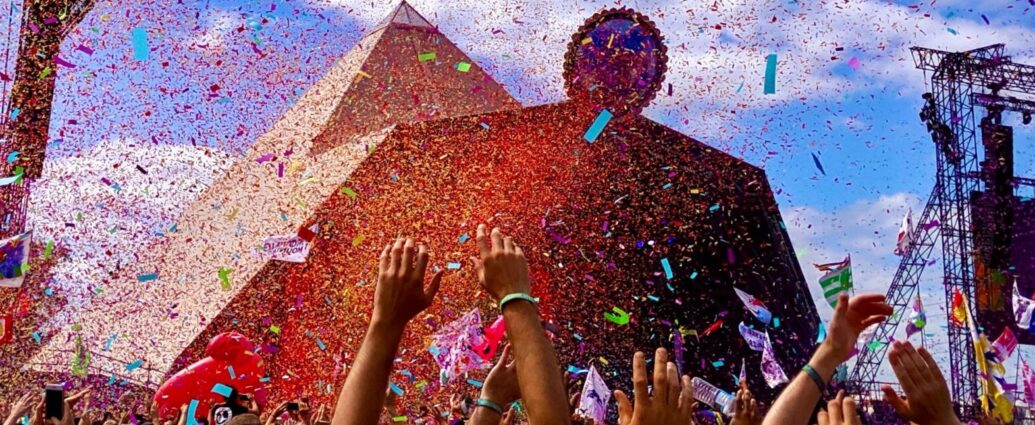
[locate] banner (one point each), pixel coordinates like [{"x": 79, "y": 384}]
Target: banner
[
  {"x": 292, "y": 249},
  {"x": 771, "y": 369},
  {"x": 453, "y": 346},
  {"x": 755, "y": 339}
]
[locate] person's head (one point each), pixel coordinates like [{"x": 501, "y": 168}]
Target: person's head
[{"x": 245, "y": 419}]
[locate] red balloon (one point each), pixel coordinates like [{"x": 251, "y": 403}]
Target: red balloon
[{"x": 231, "y": 362}]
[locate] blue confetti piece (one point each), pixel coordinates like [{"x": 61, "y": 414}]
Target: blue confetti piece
[
  {"x": 693, "y": 275},
  {"x": 110, "y": 341},
  {"x": 14, "y": 114},
  {"x": 819, "y": 165},
  {"x": 577, "y": 336},
  {"x": 464, "y": 237},
  {"x": 576, "y": 371},
  {"x": 141, "y": 47},
  {"x": 13, "y": 156},
  {"x": 147, "y": 277},
  {"x": 667, "y": 186},
  {"x": 36, "y": 336},
  {"x": 230, "y": 370},
  {"x": 433, "y": 350},
  {"x": 264, "y": 379},
  {"x": 453, "y": 266},
  {"x": 718, "y": 363},
  {"x": 714, "y": 208},
  {"x": 222, "y": 390},
  {"x": 192, "y": 411},
  {"x": 952, "y": 31},
  {"x": 111, "y": 380},
  {"x": 776, "y": 322},
  {"x": 653, "y": 298},
  {"x": 485, "y": 125},
  {"x": 598, "y": 126},
  {"x": 668, "y": 268},
  {"x": 476, "y": 383},
  {"x": 821, "y": 335},
  {"x": 770, "y": 74},
  {"x": 395, "y": 388},
  {"x": 49, "y": 292},
  {"x": 740, "y": 87},
  {"x": 320, "y": 344},
  {"x": 134, "y": 365}
]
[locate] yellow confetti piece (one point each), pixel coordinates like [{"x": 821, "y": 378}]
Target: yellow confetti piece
[
  {"x": 400, "y": 419},
  {"x": 233, "y": 214},
  {"x": 308, "y": 180},
  {"x": 357, "y": 240},
  {"x": 362, "y": 74},
  {"x": 604, "y": 361},
  {"x": 587, "y": 40},
  {"x": 610, "y": 41}
]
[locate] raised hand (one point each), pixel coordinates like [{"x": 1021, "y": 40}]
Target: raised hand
[
  {"x": 400, "y": 294},
  {"x": 851, "y": 317},
  {"x": 745, "y": 409},
  {"x": 502, "y": 268},
  {"x": 19, "y": 408},
  {"x": 927, "y": 399},
  {"x": 501, "y": 386},
  {"x": 840, "y": 411},
  {"x": 670, "y": 403}
]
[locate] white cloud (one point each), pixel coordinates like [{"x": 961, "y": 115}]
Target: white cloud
[{"x": 76, "y": 204}]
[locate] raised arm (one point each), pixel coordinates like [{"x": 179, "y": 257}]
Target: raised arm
[
  {"x": 503, "y": 272},
  {"x": 851, "y": 317},
  {"x": 399, "y": 296}
]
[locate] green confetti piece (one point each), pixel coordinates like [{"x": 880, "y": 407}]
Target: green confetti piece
[
  {"x": 224, "y": 278},
  {"x": 463, "y": 66},
  {"x": 48, "y": 249},
  {"x": 347, "y": 191},
  {"x": 424, "y": 57},
  {"x": 275, "y": 329}
]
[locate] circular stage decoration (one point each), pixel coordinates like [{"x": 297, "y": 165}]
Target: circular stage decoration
[{"x": 616, "y": 60}]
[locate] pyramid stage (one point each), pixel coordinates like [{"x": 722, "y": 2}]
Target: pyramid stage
[{"x": 639, "y": 218}]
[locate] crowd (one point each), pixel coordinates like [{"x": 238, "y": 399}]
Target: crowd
[{"x": 528, "y": 369}]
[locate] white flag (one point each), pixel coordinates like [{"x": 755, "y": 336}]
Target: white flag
[
  {"x": 1022, "y": 309},
  {"x": 905, "y": 234},
  {"x": 289, "y": 248},
  {"x": 771, "y": 370},
  {"x": 595, "y": 396}
]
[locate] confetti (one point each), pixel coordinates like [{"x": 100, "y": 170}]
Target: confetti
[
  {"x": 770, "y": 74},
  {"x": 141, "y": 47},
  {"x": 597, "y": 127}
]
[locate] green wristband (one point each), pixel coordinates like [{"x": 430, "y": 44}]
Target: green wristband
[
  {"x": 815, "y": 377},
  {"x": 489, "y": 404},
  {"x": 517, "y": 296}
]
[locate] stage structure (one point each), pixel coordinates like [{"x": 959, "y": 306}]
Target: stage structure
[
  {"x": 636, "y": 235},
  {"x": 984, "y": 227}
]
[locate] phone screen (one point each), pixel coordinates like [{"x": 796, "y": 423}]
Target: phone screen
[
  {"x": 292, "y": 406},
  {"x": 55, "y": 400}
]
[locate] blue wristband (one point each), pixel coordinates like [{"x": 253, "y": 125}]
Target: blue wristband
[
  {"x": 517, "y": 296},
  {"x": 815, "y": 377},
  {"x": 489, "y": 404}
]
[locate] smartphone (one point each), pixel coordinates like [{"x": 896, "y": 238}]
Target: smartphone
[
  {"x": 292, "y": 406},
  {"x": 55, "y": 401}
]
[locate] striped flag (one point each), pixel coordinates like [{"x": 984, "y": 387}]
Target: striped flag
[{"x": 836, "y": 280}]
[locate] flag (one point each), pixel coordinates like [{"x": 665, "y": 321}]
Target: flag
[
  {"x": 917, "y": 318},
  {"x": 743, "y": 373},
  {"x": 1029, "y": 383},
  {"x": 905, "y": 234},
  {"x": 771, "y": 369},
  {"x": 959, "y": 311},
  {"x": 991, "y": 371},
  {"x": 595, "y": 396},
  {"x": 14, "y": 260},
  {"x": 1005, "y": 344},
  {"x": 1022, "y": 309},
  {"x": 290, "y": 248},
  {"x": 6, "y": 329},
  {"x": 836, "y": 280},
  {"x": 754, "y": 306}
]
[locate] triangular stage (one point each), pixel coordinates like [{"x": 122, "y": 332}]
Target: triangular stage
[{"x": 402, "y": 72}]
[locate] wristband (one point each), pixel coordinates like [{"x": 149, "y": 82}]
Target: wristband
[
  {"x": 815, "y": 377},
  {"x": 516, "y": 296},
  {"x": 489, "y": 404}
]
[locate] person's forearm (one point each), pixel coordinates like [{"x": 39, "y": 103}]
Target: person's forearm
[
  {"x": 363, "y": 396},
  {"x": 798, "y": 400},
  {"x": 539, "y": 375},
  {"x": 484, "y": 416}
]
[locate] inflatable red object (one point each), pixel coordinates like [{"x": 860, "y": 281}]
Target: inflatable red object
[
  {"x": 231, "y": 362},
  {"x": 493, "y": 334}
]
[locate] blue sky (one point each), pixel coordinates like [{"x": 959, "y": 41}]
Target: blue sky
[{"x": 220, "y": 72}]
